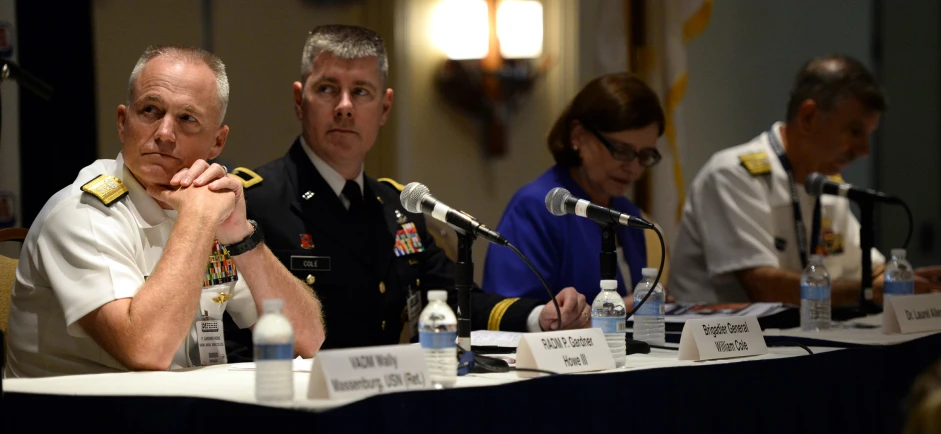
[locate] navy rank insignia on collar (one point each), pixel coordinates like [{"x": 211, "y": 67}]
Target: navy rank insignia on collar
[
  {"x": 756, "y": 163},
  {"x": 400, "y": 218},
  {"x": 106, "y": 188},
  {"x": 307, "y": 195},
  {"x": 407, "y": 240},
  {"x": 307, "y": 242}
]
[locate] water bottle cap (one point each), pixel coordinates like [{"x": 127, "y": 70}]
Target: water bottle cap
[
  {"x": 438, "y": 294},
  {"x": 899, "y": 253},
  {"x": 609, "y": 284},
  {"x": 816, "y": 258},
  {"x": 273, "y": 305},
  {"x": 649, "y": 272}
]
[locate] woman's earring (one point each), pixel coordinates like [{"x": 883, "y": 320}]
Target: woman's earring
[{"x": 575, "y": 148}]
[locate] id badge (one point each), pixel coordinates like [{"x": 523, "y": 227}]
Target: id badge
[
  {"x": 414, "y": 311},
  {"x": 209, "y": 332},
  {"x": 211, "y": 342}
]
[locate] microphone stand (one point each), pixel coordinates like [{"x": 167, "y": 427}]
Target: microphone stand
[
  {"x": 464, "y": 283},
  {"x": 867, "y": 237},
  {"x": 609, "y": 271},
  {"x": 609, "y": 257}
]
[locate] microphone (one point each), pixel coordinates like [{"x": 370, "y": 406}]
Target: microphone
[
  {"x": 560, "y": 202},
  {"x": 818, "y": 183},
  {"x": 9, "y": 69},
  {"x": 416, "y": 198}
]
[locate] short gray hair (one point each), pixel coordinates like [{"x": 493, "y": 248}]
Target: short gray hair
[
  {"x": 827, "y": 79},
  {"x": 189, "y": 55},
  {"x": 345, "y": 42}
]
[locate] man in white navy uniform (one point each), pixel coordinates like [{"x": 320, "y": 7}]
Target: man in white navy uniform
[
  {"x": 112, "y": 271},
  {"x": 738, "y": 238}
]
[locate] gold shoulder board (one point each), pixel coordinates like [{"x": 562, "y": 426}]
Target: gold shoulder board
[
  {"x": 756, "y": 164},
  {"x": 392, "y": 182},
  {"x": 247, "y": 176},
  {"x": 106, "y": 188}
]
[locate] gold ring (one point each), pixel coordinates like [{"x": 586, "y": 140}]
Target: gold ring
[{"x": 586, "y": 314}]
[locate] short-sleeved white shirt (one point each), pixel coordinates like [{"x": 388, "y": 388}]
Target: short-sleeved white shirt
[
  {"x": 78, "y": 256},
  {"x": 733, "y": 220}
]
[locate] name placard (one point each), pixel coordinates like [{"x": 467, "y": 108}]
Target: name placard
[
  {"x": 911, "y": 313},
  {"x": 358, "y": 372},
  {"x": 721, "y": 338},
  {"x": 563, "y": 351}
]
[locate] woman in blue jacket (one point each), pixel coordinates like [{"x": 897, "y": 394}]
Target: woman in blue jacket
[{"x": 601, "y": 144}]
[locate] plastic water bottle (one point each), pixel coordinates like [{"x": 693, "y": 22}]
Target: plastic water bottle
[
  {"x": 815, "y": 296},
  {"x": 649, "y": 322},
  {"x": 899, "y": 277},
  {"x": 437, "y": 334},
  {"x": 273, "y": 338},
  {"x": 609, "y": 314}
]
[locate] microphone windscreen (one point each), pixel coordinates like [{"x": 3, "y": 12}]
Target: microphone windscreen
[
  {"x": 814, "y": 183},
  {"x": 555, "y": 200},
  {"x": 412, "y": 195}
]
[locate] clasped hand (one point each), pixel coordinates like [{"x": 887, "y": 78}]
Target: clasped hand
[{"x": 208, "y": 190}]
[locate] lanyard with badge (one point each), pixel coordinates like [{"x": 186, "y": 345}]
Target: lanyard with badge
[
  {"x": 799, "y": 228},
  {"x": 221, "y": 275}
]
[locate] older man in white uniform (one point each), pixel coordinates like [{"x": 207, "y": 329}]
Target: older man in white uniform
[
  {"x": 738, "y": 238},
  {"x": 112, "y": 272}
]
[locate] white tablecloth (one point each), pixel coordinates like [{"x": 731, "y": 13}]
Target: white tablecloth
[
  {"x": 235, "y": 382},
  {"x": 863, "y": 331}
]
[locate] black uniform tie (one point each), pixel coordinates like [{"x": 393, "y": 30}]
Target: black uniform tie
[{"x": 353, "y": 193}]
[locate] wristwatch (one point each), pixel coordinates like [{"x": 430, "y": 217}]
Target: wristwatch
[{"x": 249, "y": 243}]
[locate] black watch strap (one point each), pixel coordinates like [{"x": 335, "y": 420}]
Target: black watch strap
[{"x": 249, "y": 243}]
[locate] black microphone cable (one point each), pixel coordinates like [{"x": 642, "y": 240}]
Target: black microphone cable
[
  {"x": 908, "y": 236},
  {"x": 790, "y": 344},
  {"x": 656, "y": 281},
  {"x": 487, "y": 362},
  {"x": 555, "y": 302}
]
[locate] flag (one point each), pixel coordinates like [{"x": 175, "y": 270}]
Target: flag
[{"x": 668, "y": 27}]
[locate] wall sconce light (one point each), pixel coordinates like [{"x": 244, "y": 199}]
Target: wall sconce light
[{"x": 490, "y": 47}]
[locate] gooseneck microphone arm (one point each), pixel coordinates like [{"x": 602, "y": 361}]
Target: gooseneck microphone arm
[
  {"x": 818, "y": 184},
  {"x": 9, "y": 69}
]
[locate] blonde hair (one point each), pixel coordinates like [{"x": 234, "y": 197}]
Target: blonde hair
[{"x": 924, "y": 415}]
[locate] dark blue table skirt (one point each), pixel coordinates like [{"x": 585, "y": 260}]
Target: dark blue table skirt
[{"x": 858, "y": 390}]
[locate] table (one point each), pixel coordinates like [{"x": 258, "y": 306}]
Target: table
[{"x": 836, "y": 390}]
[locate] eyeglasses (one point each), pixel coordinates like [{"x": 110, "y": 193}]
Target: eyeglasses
[{"x": 647, "y": 157}]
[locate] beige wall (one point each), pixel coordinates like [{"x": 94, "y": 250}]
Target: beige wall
[
  {"x": 440, "y": 147},
  {"x": 121, "y": 33}
]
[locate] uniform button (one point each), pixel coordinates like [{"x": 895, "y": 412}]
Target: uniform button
[
  {"x": 383, "y": 325},
  {"x": 417, "y": 282},
  {"x": 382, "y": 287},
  {"x": 311, "y": 279}
]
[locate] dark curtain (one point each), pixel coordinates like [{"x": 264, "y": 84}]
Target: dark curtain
[{"x": 57, "y": 137}]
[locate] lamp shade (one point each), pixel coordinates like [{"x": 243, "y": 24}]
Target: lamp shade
[
  {"x": 461, "y": 29},
  {"x": 519, "y": 29}
]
